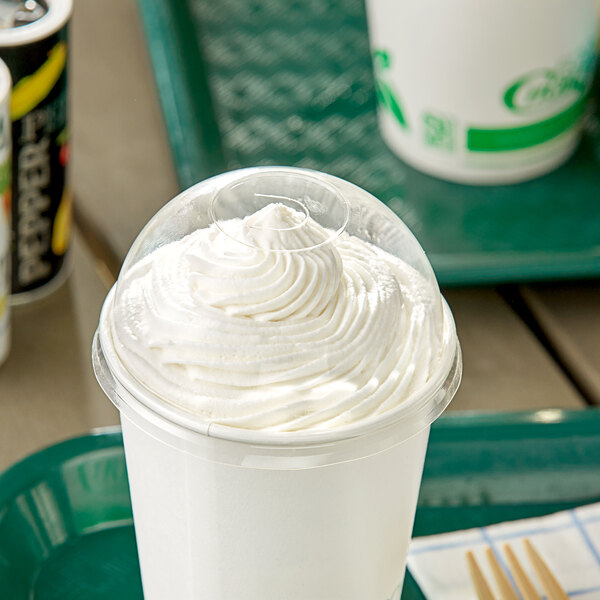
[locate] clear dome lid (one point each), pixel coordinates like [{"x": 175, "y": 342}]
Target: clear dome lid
[
  {"x": 336, "y": 204},
  {"x": 280, "y": 303}
]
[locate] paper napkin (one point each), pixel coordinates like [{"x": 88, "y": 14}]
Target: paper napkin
[{"x": 568, "y": 541}]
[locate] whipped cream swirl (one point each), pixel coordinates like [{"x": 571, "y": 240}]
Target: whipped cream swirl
[{"x": 227, "y": 325}]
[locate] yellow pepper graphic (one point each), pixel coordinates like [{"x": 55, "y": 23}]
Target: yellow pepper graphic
[
  {"x": 61, "y": 230},
  {"x": 31, "y": 90}
]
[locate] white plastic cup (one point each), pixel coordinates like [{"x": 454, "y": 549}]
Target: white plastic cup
[
  {"x": 482, "y": 92},
  {"x": 222, "y": 512}
]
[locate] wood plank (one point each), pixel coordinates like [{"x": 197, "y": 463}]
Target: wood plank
[
  {"x": 122, "y": 166},
  {"x": 505, "y": 368},
  {"x": 48, "y": 391},
  {"x": 569, "y": 314}
]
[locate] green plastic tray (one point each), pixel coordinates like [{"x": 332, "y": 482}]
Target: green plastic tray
[
  {"x": 260, "y": 82},
  {"x": 66, "y": 530}
]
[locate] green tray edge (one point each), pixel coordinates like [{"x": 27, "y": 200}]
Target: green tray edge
[
  {"x": 33, "y": 466},
  {"x": 192, "y": 127},
  {"x": 450, "y": 427},
  {"x": 491, "y": 270}
]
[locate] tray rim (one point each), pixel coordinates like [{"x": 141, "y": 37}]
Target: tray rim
[
  {"x": 17, "y": 476},
  {"x": 161, "y": 19},
  {"x": 449, "y": 428}
]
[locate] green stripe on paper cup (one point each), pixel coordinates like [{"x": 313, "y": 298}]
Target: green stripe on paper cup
[
  {"x": 388, "y": 100},
  {"x": 517, "y": 138}
]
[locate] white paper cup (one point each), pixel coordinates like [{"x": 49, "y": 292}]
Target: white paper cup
[
  {"x": 482, "y": 92},
  {"x": 222, "y": 512}
]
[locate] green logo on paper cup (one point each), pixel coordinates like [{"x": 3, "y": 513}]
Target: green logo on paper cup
[
  {"x": 386, "y": 96},
  {"x": 546, "y": 88},
  {"x": 439, "y": 131},
  {"x": 558, "y": 95}
]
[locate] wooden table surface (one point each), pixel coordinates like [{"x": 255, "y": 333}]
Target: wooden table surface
[{"x": 524, "y": 347}]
